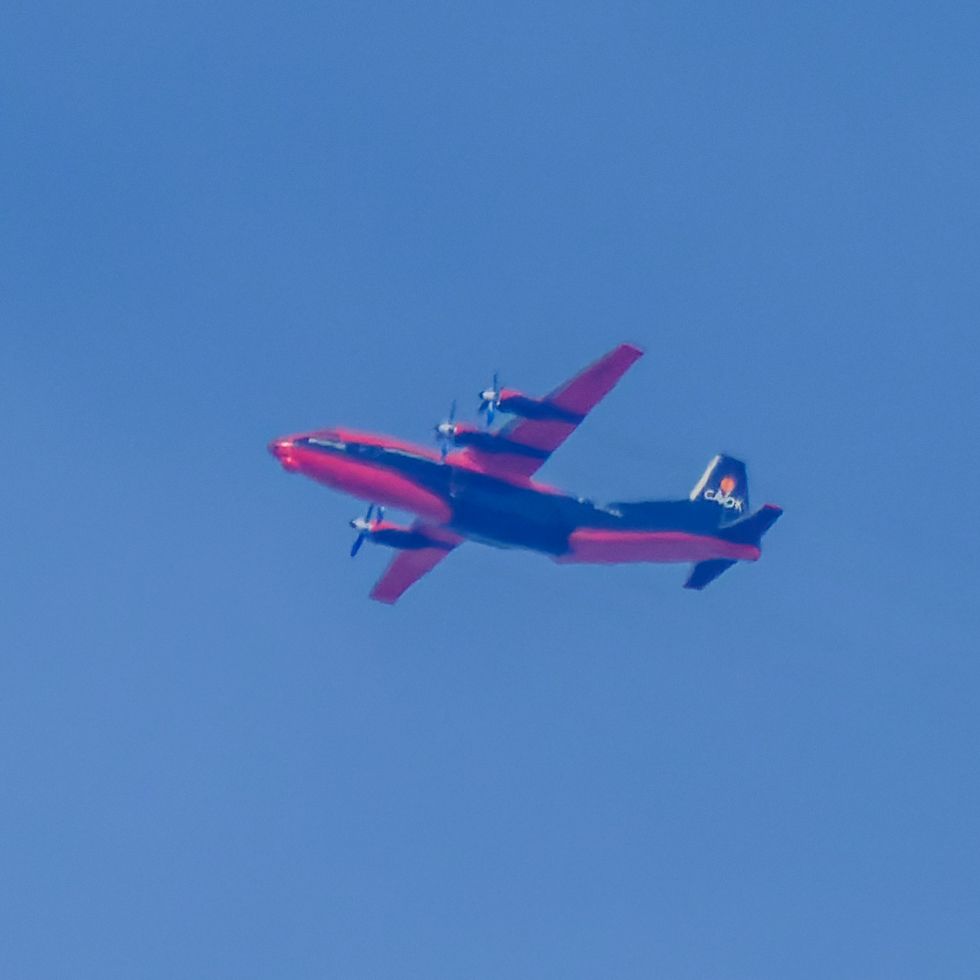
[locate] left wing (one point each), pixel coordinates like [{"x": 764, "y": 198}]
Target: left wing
[
  {"x": 408, "y": 566},
  {"x": 523, "y": 446}
]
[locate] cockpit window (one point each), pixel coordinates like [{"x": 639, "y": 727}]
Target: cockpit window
[
  {"x": 363, "y": 450},
  {"x": 326, "y": 443}
]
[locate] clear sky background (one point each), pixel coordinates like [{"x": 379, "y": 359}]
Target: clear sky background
[{"x": 225, "y": 222}]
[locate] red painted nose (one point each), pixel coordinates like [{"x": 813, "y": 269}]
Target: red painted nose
[{"x": 282, "y": 449}]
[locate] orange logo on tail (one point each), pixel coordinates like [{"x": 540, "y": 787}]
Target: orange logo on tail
[{"x": 723, "y": 495}]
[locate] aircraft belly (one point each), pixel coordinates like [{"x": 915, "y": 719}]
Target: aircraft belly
[
  {"x": 509, "y": 530},
  {"x": 603, "y": 546},
  {"x": 508, "y": 517}
]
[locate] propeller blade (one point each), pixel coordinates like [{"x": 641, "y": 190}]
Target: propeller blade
[
  {"x": 446, "y": 430},
  {"x": 364, "y": 526},
  {"x": 490, "y": 399}
]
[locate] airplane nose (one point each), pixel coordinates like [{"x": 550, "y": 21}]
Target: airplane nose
[{"x": 282, "y": 449}]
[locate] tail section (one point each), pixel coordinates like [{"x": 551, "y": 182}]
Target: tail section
[
  {"x": 749, "y": 530},
  {"x": 726, "y": 484}
]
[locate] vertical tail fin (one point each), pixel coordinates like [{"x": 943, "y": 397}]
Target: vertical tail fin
[{"x": 726, "y": 484}]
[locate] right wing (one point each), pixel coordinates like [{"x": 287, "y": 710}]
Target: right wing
[
  {"x": 534, "y": 440},
  {"x": 408, "y": 566}
]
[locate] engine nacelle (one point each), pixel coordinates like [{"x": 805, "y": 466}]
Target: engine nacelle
[
  {"x": 517, "y": 403},
  {"x": 403, "y": 538},
  {"x": 494, "y": 442}
]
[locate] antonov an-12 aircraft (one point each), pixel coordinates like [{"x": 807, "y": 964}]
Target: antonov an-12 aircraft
[{"x": 480, "y": 487}]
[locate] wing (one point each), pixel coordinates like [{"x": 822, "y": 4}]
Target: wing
[
  {"x": 524, "y": 445},
  {"x": 407, "y": 567}
]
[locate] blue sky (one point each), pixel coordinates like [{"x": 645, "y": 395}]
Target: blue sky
[{"x": 226, "y": 222}]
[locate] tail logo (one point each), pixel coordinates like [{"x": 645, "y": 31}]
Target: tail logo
[{"x": 723, "y": 495}]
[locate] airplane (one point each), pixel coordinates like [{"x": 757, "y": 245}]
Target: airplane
[{"x": 479, "y": 487}]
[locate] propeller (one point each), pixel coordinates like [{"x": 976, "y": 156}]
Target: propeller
[
  {"x": 490, "y": 400},
  {"x": 364, "y": 526},
  {"x": 446, "y": 430}
]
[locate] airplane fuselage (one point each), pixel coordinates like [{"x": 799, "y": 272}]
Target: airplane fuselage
[{"x": 456, "y": 495}]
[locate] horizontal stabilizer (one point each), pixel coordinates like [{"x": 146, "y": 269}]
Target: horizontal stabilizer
[
  {"x": 705, "y": 572},
  {"x": 749, "y": 530}
]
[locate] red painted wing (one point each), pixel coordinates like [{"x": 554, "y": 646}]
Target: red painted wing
[
  {"x": 407, "y": 567},
  {"x": 541, "y": 437}
]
